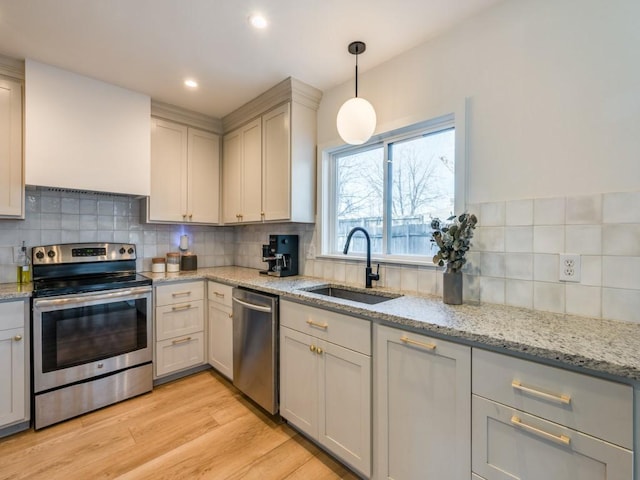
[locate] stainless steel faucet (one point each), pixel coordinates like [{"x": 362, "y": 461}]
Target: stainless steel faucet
[{"x": 368, "y": 276}]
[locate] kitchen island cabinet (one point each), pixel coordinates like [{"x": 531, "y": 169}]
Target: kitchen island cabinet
[
  {"x": 422, "y": 407},
  {"x": 11, "y": 163},
  {"x": 325, "y": 380},
  {"x": 14, "y": 364},
  {"x": 185, "y": 174}
]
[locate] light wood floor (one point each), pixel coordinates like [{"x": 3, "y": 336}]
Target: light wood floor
[{"x": 195, "y": 427}]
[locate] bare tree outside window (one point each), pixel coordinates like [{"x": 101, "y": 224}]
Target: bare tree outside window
[{"x": 417, "y": 178}]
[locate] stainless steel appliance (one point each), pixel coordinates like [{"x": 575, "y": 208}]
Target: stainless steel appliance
[
  {"x": 91, "y": 324},
  {"x": 281, "y": 255},
  {"x": 255, "y": 346}
]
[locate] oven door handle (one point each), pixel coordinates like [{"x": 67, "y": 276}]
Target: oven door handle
[{"x": 83, "y": 298}]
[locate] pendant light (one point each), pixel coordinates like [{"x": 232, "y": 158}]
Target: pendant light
[{"x": 356, "y": 119}]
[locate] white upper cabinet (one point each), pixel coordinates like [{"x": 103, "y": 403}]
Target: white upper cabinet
[
  {"x": 269, "y": 157},
  {"x": 84, "y": 134},
  {"x": 185, "y": 174},
  {"x": 11, "y": 177}
]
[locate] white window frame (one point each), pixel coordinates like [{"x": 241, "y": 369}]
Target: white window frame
[{"x": 326, "y": 186}]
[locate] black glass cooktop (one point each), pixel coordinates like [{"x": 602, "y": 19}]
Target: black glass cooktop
[{"x": 48, "y": 287}]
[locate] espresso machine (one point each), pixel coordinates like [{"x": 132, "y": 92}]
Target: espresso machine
[{"x": 281, "y": 255}]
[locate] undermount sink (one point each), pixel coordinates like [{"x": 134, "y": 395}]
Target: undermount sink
[{"x": 370, "y": 298}]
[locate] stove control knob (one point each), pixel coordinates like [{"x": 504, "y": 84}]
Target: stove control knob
[
  {"x": 39, "y": 254},
  {"x": 130, "y": 251},
  {"x": 122, "y": 251},
  {"x": 51, "y": 253}
]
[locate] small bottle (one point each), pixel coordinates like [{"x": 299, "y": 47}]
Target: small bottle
[{"x": 25, "y": 268}]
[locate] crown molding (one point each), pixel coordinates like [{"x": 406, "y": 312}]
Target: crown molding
[
  {"x": 12, "y": 67},
  {"x": 187, "y": 117},
  {"x": 288, "y": 90}
]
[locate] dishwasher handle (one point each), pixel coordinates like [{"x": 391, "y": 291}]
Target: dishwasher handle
[{"x": 252, "y": 306}]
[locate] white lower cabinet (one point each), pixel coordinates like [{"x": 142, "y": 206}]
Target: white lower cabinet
[
  {"x": 532, "y": 421},
  {"x": 220, "y": 328},
  {"x": 325, "y": 387},
  {"x": 179, "y": 327},
  {"x": 508, "y": 444},
  {"x": 422, "y": 407},
  {"x": 14, "y": 363}
]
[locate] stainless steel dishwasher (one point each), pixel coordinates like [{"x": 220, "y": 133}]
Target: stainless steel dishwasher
[{"x": 255, "y": 342}]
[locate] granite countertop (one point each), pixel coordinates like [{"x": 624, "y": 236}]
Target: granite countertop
[{"x": 606, "y": 348}]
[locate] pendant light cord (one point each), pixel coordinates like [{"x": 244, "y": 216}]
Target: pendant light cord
[{"x": 356, "y": 75}]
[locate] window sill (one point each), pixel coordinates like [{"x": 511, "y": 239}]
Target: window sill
[{"x": 386, "y": 260}]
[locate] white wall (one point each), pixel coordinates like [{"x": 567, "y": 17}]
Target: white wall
[
  {"x": 554, "y": 103},
  {"x": 553, "y": 151}
]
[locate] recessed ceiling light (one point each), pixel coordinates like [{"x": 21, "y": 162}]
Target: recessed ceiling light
[
  {"x": 191, "y": 83},
  {"x": 258, "y": 20}
]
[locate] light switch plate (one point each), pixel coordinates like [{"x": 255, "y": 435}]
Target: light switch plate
[{"x": 570, "y": 267}]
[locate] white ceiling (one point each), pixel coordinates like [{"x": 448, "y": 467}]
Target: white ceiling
[{"x": 151, "y": 46}]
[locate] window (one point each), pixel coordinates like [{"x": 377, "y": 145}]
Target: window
[{"x": 393, "y": 188}]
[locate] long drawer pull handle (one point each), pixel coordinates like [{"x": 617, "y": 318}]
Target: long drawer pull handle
[
  {"x": 324, "y": 326},
  {"x": 407, "y": 340},
  {"x": 565, "y": 399},
  {"x": 181, "y": 307},
  {"x": 563, "y": 439},
  {"x": 218, "y": 294},
  {"x": 181, "y": 294},
  {"x": 182, "y": 340}
]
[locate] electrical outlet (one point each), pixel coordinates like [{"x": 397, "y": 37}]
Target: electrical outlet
[{"x": 569, "y": 268}]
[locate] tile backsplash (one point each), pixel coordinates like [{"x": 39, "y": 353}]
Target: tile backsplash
[
  {"x": 516, "y": 251},
  {"x": 53, "y": 217},
  {"x": 514, "y": 259}
]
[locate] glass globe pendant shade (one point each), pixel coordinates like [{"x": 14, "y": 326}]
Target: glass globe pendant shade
[{"x": 356, "y": 121}]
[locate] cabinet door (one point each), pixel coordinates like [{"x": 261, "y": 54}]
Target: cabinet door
[
  {"x": 12, "y": 376},
  {"x": 221, "y": 339},
  {"x": 179, "y": 353},
  {"x": 231, "y": 176},
  {"x": 168, "y": 198},
  {"x": 276, "y": 164},
  {"x": 344, "y": 420},
  {"x": 508, "y": 444},
  {"x": 252, "y": 172},
  {"x": 203, "y": 177},
  {"x": 11, "y": 166},
  {"x": 299, "y": 380},
  {"x": 179, "y": 319},
  {"x": 422, "y": 407}
]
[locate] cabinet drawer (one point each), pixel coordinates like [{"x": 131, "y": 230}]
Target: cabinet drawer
[
  {"x": 179, "y": 292},
  {"x": 12, "y": 315},
  {"x": 219, "y": 293},
  {"x": 508, "y": 444},
  {"x": 591, "y": 405},
  {"x": 349, "y": 332},
  {"x": 179, "y": 319},
  {"x": 179, "y": 353}
]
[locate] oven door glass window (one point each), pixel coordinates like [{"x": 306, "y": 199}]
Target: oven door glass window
[{"x": 74, "y": 336}]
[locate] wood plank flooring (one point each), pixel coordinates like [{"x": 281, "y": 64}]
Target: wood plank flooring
[{"x": 196, "y": 427}]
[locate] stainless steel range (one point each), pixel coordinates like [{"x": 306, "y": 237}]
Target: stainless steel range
[{"x": 91, "y": 324}]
